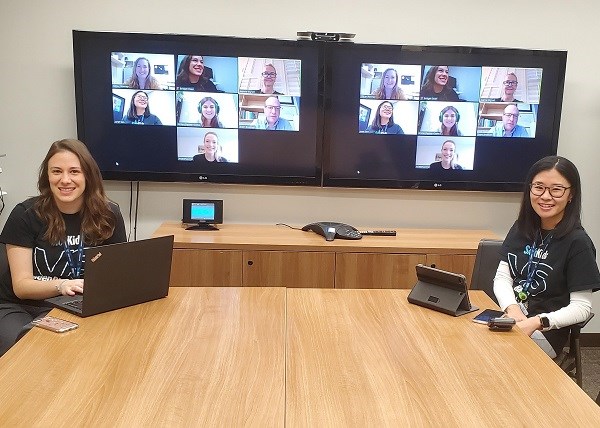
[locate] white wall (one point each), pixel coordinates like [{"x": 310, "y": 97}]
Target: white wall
[{"x": 37, "y": 98}]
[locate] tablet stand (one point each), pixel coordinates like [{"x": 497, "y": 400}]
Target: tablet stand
[{"x": 202, "y": 226}]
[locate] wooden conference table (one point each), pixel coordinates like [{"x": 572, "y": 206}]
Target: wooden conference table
[{"x": 285, "y": 357}]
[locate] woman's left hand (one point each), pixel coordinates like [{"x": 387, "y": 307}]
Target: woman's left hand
[{"x": 529, "y": 325}]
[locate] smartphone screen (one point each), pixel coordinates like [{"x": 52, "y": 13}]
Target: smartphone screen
[
  {"x": 484, "y": 316},
  {"x": 55, "y": 324}
]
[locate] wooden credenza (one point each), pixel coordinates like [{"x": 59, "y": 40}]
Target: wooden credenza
[{"x": 248, "y": 255}]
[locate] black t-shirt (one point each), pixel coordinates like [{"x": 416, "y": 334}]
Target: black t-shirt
[
  {"x": 447, "y": 94},
  {"x": 24, "y": 228},
  {"x": 437, "y": 166},
  {"x": 200, "y": 158},
  {"x": 202, "y": 85},
  {"x": 568, "y": 264}
]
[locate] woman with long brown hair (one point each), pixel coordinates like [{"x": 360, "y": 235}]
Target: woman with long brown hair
[{"x": 45, "y": 236}]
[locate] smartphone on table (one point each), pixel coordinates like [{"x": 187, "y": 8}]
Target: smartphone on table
[
  {"x": 484, "y": 316},
  {"x": 55, "y": 324}
]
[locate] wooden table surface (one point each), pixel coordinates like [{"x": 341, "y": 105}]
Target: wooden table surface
[
  {"x": 272, "y": 357},
  {"x": 200, "y": 357},
  {"x": 273, "y": 237},
  {"x": 369, "y": 358}
]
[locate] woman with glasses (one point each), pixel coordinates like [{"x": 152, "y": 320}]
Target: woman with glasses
[
  {"x": 383, "y": 123},
  {"x": 141, "y": 77},
  {"x": 436, "y": 85},
  {"x": 388, "y": 87},
  {"x": 509, "y": 87},
  {"x": 139, "y": 111},
  {"x": 269, "y": 76},
  {"x": 548, "y": 269},
  {"x": 192, "y": 76}
]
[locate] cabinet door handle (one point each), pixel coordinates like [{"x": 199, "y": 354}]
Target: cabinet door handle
[{"x": 250, "y": 262}]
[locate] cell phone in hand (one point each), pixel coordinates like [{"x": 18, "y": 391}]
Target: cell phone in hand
[
  {"x": 55, "y": 324},
  {"x": 484, "y": 316}
]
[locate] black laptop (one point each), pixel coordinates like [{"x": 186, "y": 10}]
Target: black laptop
[
  {"x": 441, "y": 291},
  {"x": 121, "y": 275}
]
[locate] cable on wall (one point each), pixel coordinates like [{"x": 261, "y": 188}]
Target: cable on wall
[{"x": 133, "y": 209}]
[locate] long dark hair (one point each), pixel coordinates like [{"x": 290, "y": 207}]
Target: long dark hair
[
  {"x": 183, "y": 74},
  {"x": 430, "y": 79},
  {"x": 454, "y": 130},
  {"x": 97, "y": 220},
  {"x": 376, "y": 124},
  {"x": 214, "y": 122},
  {"x": 528, "y": 222},
  {"x": 132, "y": 112}
]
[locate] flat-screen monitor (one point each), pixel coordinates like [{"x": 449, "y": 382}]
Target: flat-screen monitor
[
  {"x": 396, "y": 118},
  {"x": 266, "y": 111},
  {"x": 199, "y": 108},
  {"x": 202, "y": 213}
]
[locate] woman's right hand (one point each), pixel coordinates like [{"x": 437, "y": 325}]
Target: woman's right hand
[{"x": 70, "y": 287}]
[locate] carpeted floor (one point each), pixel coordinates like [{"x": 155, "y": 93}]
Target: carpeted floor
[{"x": 590, "y": 360}]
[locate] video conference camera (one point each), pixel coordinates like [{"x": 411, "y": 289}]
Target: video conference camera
[{"x": 325, "y": 37}]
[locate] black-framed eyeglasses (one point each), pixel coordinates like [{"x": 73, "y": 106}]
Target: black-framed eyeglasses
[
  {"x": 555, "y": 191},
  {"x": 511, "y": 115},
  {"x": 510, "y": 82},
  {"x": 269, "y": 74}
]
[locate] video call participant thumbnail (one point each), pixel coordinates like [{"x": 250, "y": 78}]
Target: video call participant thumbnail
[
  {"x": 509, "y": 126},
  {"x": 509, "y": 87},
  {"x": 206, "y": 109},
  {"x": 141, "y": 77},
  {"x": 437, "y": 86},
  {"x": 441, "y": 118},
  {"x": 139, "y": 111},
  {"x": 449, "y": 158},
  {"x": 209, "y": 150},
  {"x": 207, "y": 146},
  {"x": 273, "y": 120},
  {"x": 388, "y": 87},
  {"x": 442, "y": 155},
  {"x": 192, "y": 75},
  {"x": 150, "y": 71},
  {"x": 269, "y": 76},
  {"x": 449, "y": 117},
  {"x": 383, "y": 122},
  {"x": 446, "y": 121}
]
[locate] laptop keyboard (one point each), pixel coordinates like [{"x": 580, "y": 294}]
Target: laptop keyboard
[{"x": 77, "y": 304}]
